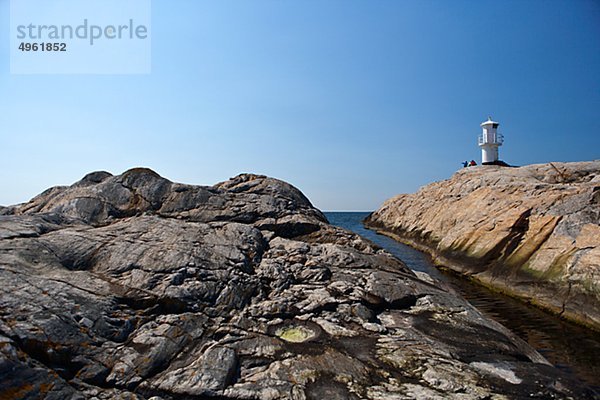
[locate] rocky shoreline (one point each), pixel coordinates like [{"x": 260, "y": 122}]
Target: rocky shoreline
[
  {"x": 532, "y": 232},
  {"x": 136, "y": 287}
]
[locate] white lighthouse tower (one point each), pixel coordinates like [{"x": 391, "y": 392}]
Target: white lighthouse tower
[{"x": 489, "y": 141}]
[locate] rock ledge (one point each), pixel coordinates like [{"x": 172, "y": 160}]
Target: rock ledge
[
  {"x": 532, "y": 231},
  {"x": 136, "y": 287}
]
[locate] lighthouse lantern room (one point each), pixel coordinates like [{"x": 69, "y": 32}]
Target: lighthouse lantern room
[{"x": 489, "y": 141}]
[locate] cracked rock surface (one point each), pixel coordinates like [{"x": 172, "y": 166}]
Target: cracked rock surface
[
  {"x": 135, "y": 287},
  {"x": 532, "y": 231}
]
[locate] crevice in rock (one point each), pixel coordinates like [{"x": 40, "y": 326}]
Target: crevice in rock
[
  {"x": 54, "y": 356},
  {"x": 19, "y": 235},
  {"x": 154, "y": 305},
  {"x": 379, "y": 304}
]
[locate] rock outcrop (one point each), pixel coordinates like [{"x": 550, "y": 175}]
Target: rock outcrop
[
  {"x": 532, "y": 231},
  {"x": 135, "y": 287}
]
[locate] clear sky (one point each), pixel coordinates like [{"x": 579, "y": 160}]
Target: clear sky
[{"x": 350, "y": 101}]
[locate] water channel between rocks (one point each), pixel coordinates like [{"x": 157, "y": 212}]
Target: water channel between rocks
[{"x": 569, "y": 347}]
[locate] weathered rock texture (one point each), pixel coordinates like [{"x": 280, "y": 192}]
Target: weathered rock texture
[
  {"x": 532, "y": 231},
  {"x": 135, "y": 287}
]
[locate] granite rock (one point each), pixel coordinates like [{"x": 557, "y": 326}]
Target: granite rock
[
  {"x": 532, "y": 231},
  {"x": 135, "y": 287}
]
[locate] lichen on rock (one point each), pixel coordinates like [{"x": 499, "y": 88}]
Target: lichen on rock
[{"x": 295, "y": 334}]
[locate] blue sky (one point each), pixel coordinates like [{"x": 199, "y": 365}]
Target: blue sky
[{"x": 351, "y": 101}]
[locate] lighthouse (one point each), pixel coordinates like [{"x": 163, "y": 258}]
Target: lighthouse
[{"x": 489, "y": 141}]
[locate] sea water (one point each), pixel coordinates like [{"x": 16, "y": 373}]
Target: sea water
[{"x": 571, "y": 348}]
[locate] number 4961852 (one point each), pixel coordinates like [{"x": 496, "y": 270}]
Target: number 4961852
[{"x": 42, "y": 46}]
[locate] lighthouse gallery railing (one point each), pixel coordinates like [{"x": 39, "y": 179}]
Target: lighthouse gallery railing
[{"x": 484, "y": 138}]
